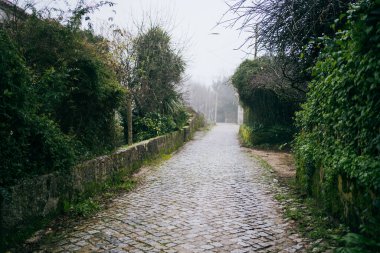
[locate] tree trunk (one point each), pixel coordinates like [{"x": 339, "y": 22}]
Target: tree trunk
[{"x": 129, "y": 119}]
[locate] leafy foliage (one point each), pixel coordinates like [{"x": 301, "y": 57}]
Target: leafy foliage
[
  {"x": 31, "y": 144},
  {"x": 159, "y": 69},
  {"x": 75, "y": 86},
  {"x": 267, "y": 113},
  {"x": 340, "y": 121},
  {"x": 154, "y": 124},
  {"x": 59, "y": 96},
  {"x": 356, "y": 243},
  {"x": 85, "y": 208}
]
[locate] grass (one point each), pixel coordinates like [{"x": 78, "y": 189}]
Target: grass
[
  {"x": 95, "y": 199},
  {"x": 325, "y": 233},
  {"x": 85, "y": 208},
  {"x": 157, "y": 160},
  {"x": 310, "y": 220},
  {"x": 88, "y": 206},
  {"x": 264, "y": 164},
  {"x": 10, "y": 240},
  {"x": 207, "y": 127}
]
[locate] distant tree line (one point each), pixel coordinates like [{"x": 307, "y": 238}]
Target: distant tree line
[{"x": 218, "y": 102}]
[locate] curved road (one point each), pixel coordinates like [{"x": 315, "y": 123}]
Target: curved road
[{"x": 211, "y": 196}]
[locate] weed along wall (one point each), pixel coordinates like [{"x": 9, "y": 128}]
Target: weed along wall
[{"x": 44, "y": 195}]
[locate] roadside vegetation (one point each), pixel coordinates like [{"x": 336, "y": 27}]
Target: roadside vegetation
[
  {"x": 269, "y": 103},
  {"x": 318, "y": 89},
  {"x": 64, "y": 91},
  {"x": 69, "y": 94}
]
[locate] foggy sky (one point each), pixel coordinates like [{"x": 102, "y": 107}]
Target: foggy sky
[
  {"x": 208, "y": 50},
  {"x": 208, "y": 56}
]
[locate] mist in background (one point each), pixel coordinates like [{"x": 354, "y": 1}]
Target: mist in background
[{"x": 218, "y": 102}]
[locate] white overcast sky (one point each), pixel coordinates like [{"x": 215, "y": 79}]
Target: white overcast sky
[{"x": 191, "y": 24}]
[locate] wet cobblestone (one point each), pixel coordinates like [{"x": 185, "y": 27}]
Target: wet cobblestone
[{"x": 209, "y": 197}]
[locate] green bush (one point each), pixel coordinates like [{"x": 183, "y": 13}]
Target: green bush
[
  {"x": 152, "y": 125},
  {"x": 74, "y": 83},
  {"x": 339, "y": 124},
  {"x": 260, "y": 135},
  {"x": 58, "y": 98},
  {"x": 155, "y": 124},
  {"x": 268, "y": 113},
  {"x": 181, "y": 117},
  {"x": 30, "y": 144}
]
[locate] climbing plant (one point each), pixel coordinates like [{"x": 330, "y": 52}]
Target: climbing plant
[
  {"x": 338, "y": 147},
  {"x": 59, "y": 97},
  {"x": 30, "y": 143},
  {"x": 268, "y": 110}
]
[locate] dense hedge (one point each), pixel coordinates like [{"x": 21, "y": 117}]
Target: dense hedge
[
  {"x": 30, "y": 143},
  {"x": 75, "y": 85},
  {"x": 268, "y": 116},
  {"x": 265, "y": 135},
  {"x": 338, "y": 147},
  {"x": 58, "y": 98}
]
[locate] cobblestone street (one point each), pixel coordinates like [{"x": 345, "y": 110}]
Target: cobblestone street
[{"x": 211, "y": 196}]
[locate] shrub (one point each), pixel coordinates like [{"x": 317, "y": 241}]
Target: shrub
[
  {"x": 268, "y": 112},
  {"x": 152, "y": 125},
  {"x": 75, "y": 86},
  {"x": 30, "y": 144},
  {"x": 181, "y": 117},
  {"x": 260, "y": 135},
  {"x": 58, "y": 98}
]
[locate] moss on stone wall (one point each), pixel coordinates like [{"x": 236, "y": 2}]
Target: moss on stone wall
[{"x": 45, "y": 196}]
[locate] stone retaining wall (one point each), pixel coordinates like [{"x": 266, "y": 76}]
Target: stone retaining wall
[{"x": 43, "y": 195}]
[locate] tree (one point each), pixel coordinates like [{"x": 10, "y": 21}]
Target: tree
[
  {"x": 124, "y": 63},
  {"x": 158, "y": 72},
  {"x": 151, "y": 70},
  {"x": 227, "y": 102},
  {"x": 286, "y": 29}
]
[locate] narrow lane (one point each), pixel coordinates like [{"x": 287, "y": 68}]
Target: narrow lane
[{"x": 209, "y": 197}]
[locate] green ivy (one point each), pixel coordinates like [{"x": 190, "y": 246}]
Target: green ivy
[
  {"x": 268, "y": 114},
  {"x": 58, "y": 98},
  {"x": 340, "y": 121},
  {"x": 31, "y": 144}
]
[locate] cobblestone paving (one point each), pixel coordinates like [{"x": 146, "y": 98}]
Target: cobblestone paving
[{"x": 209, "y": 197}]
